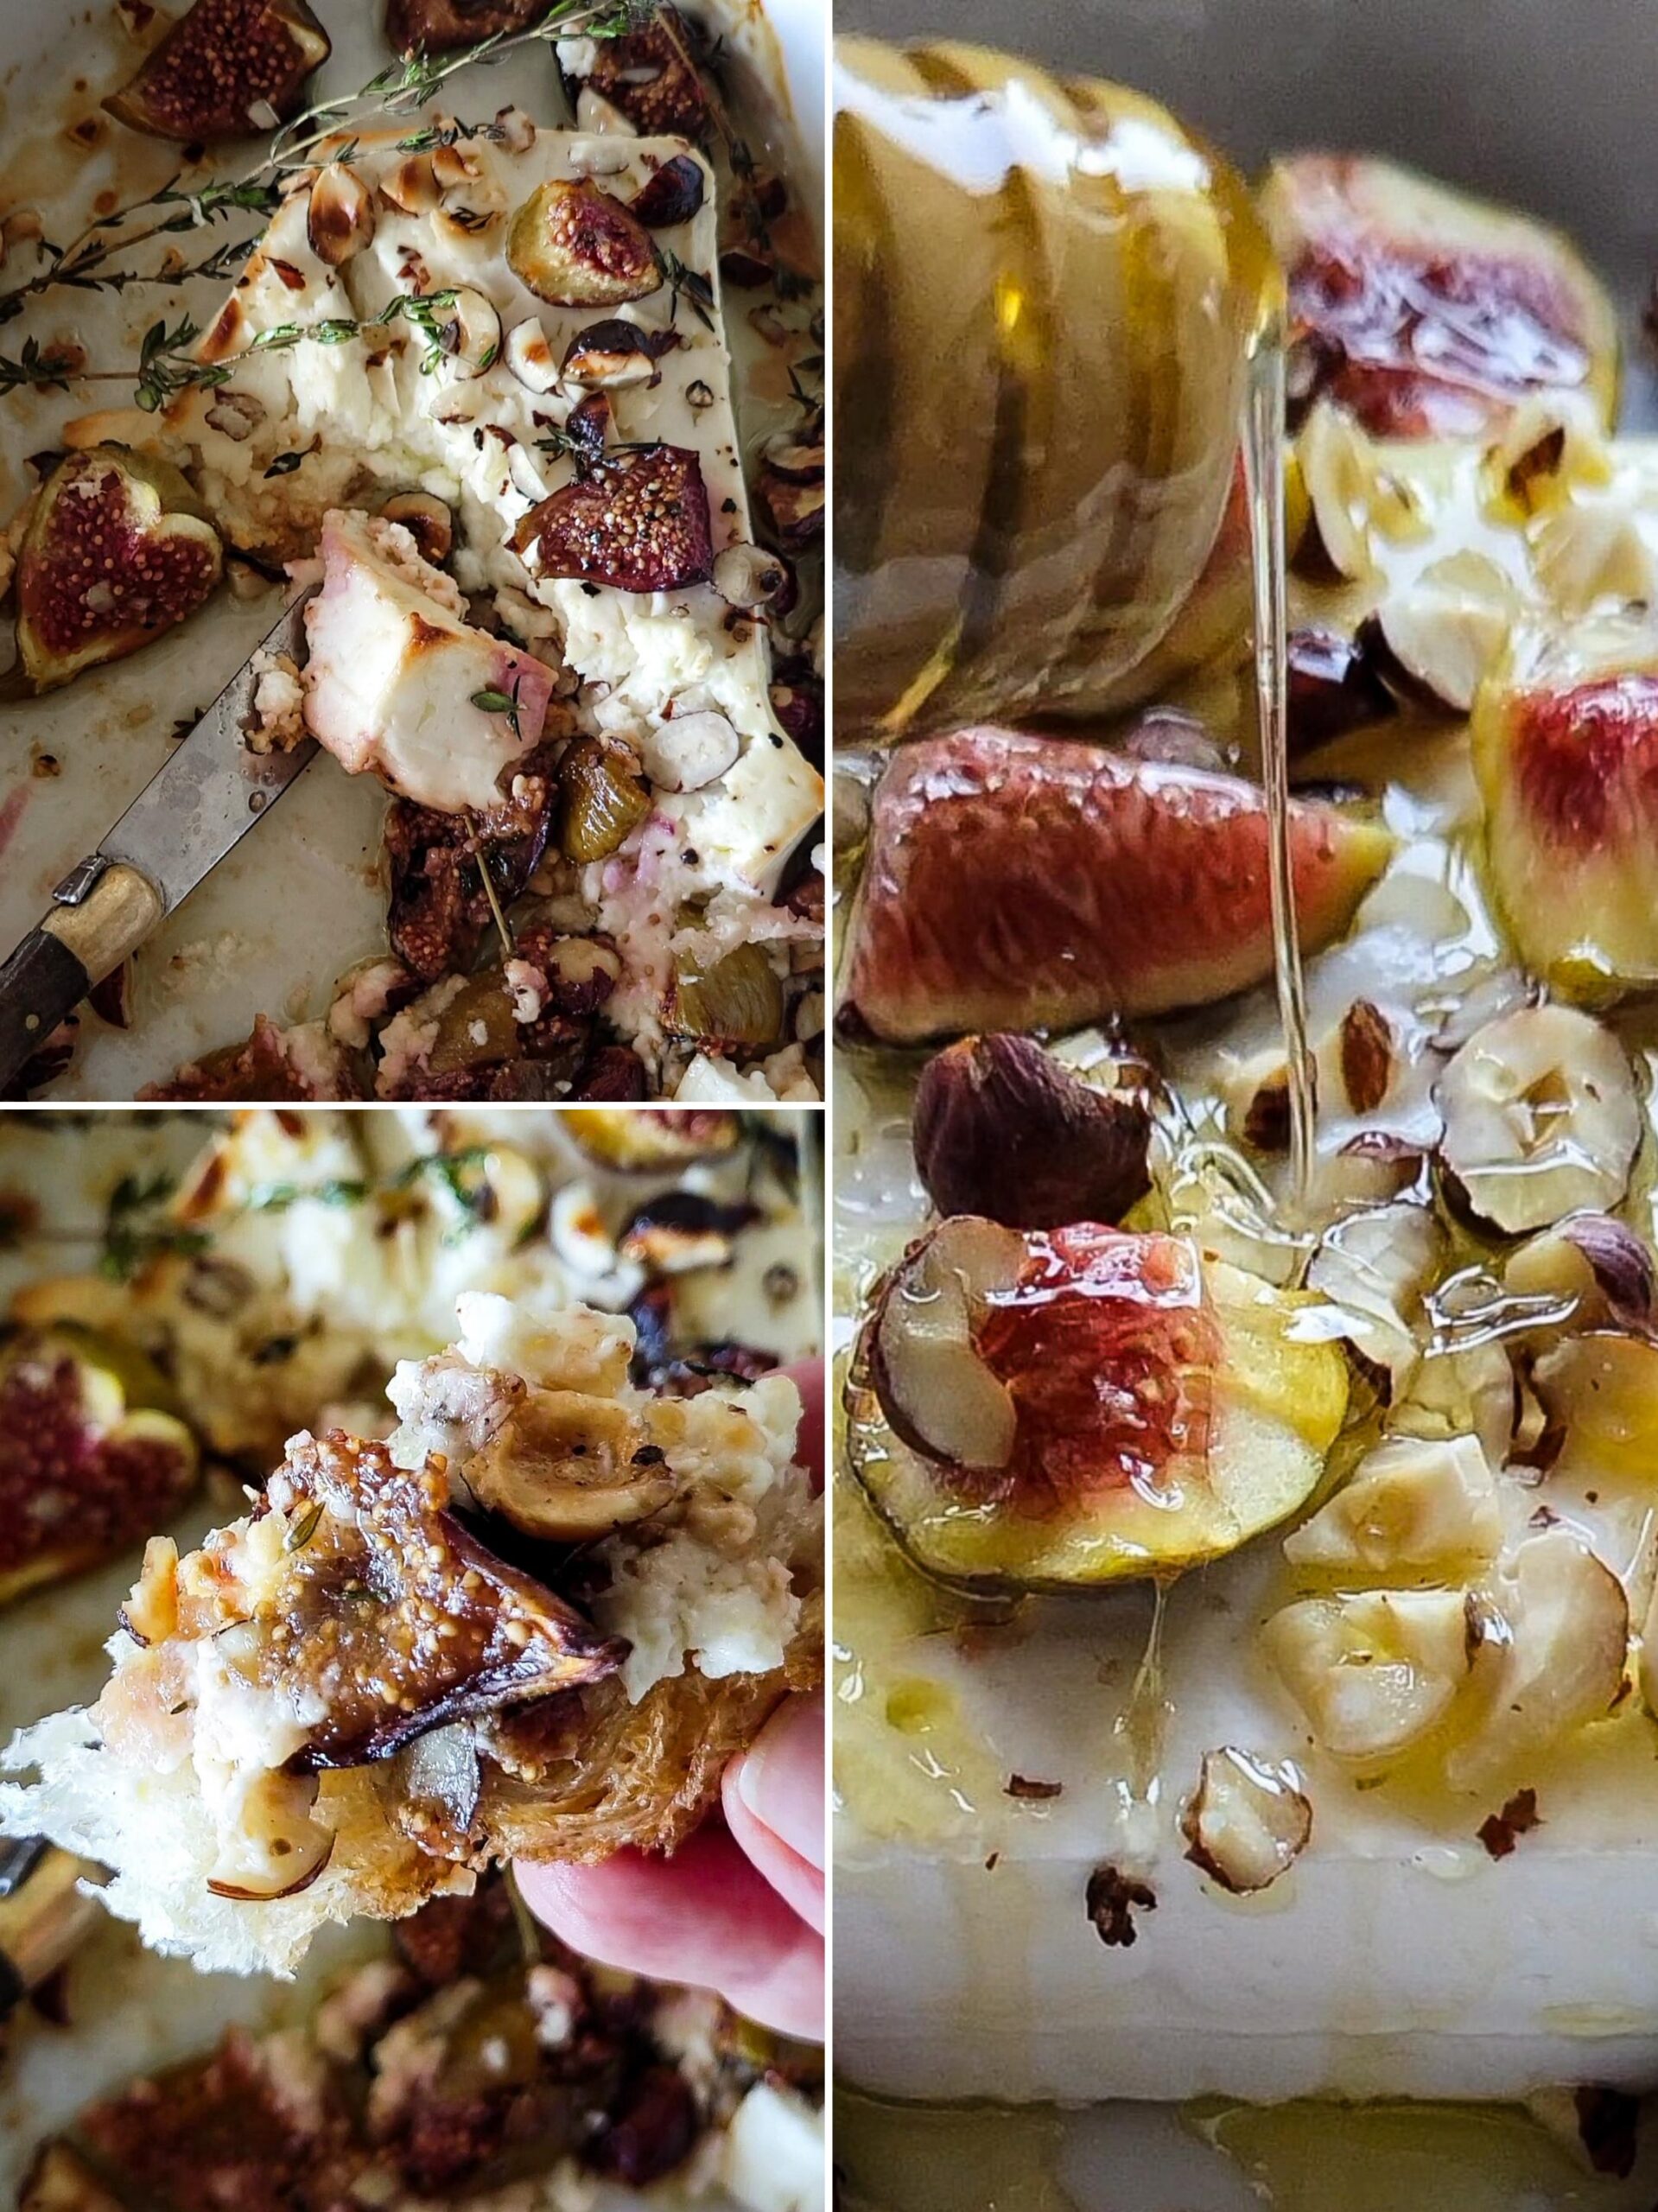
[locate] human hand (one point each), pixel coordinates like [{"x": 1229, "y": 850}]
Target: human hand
[{"x": 738, "y": 1908}]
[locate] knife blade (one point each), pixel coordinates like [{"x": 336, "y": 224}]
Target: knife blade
[{"x": 209, "y": 793}]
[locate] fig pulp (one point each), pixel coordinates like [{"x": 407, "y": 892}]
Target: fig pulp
[
  {"x": 115, "y": 554},
  {"x": 226, "y": 69},
  {"x": 1565, "y": 752},
  {"x": 1085, "y": 1404},
  {"x": 84, "y": 1470},
  {"x": 1018, "y": 883},
  {"x": 1426, "y": 312}
]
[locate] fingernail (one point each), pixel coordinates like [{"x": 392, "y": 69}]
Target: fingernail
[{"x": 780, "y": 1779}]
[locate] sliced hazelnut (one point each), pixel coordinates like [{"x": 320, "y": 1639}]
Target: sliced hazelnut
[
  {"x": 747, "y": 575},
  {"x": 1375, "y": 1670},
  {"x": 530, "y": 356},
  {"x": 428, "y": 520},
  {"x": 1374, "y": 1265},
  {"x": 340, "y": 219},
  {"x": 469, "y": 332},
  {"x": 1562, "y": 1660},
  {"x": 940, "y": 1397},
  {"x": 278, "y": 1849},
  {"x": 413, "y": 185},
  {"x": 1540, "y": 1118},
  {"x": 1593, "y": 1267},
  {"x": 1001, "y": 1129},
  {"x": 1411, "y": 1502},
  {"x": 566, "y": 1468},
  {"x": 1447, "y": 627},
  {"x": 1247, "y": 1822},
  {"x": 616, "y": 353},
  {"x": 514, "y": 129}
]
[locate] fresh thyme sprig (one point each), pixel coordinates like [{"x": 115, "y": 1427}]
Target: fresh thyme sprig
[{"x": 688, "y": 283}]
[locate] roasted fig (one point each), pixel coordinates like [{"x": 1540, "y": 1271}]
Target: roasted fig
[
  {"x": 735, "y": 1003},
  {"x": 435, "y": 26},
  {"x": 649, "y": 76},
  {"x": 646, "y": 1143},
  {"x": 227, "y": 69},
  {"x": 615, "y": 353},
  {"x": 1013, "y": 882},
  {"x": 1075, "y": 1407},
  {"x": 116, "y": 553},
  {"x": 638, "y": 525},
  {"x": 88, "y": 1461},
  {"x": 601, "y": 800},
  {"x": 1334, "y": 687},
  {"x": 269, "y": 1064},
  {"x": 673, "y": 195},
  {"x": 1424, "y": 311},
  {"x": 1000, "y": 1129},
  {"x": 440, "y": 908},
  {"x": 1565, "y": 751},
  {"x": 574, "y": 246}
]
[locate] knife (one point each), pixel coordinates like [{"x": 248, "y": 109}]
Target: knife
[
  {"x": 45, "y": 1912},
  {"x": 210, "y": 794}
]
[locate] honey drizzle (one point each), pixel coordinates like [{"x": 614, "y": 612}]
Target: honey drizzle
[{"x": 1263, "y": 434}]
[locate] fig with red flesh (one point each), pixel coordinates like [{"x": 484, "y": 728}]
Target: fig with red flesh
[
  {"x": 86, "y": 1467},
  {"x": 1566, "y": 754},
  {"x": 1018, "y": 882},
  {"x": 1426, "y": 312},
  {"x": 227, "y": 68},
  {"x": 1075, "y": 1407},
  {"x": 116, "y": 553},
  {"x": 649, "y": 75},
  {"x": 638, "y": 525},
  {"x": 574, "y": 245}
]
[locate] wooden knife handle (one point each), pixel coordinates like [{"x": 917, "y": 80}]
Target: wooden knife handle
[{"x": 75, "y": 946}]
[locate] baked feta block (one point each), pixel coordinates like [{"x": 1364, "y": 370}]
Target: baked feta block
[{"x": 398, "y": 683}]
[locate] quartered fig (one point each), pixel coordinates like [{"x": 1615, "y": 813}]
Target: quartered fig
[
  {"x": 226, "y": 69},
  {"x": 1071, "y": 1407},
  {"x": 1565, "y": 752},
  {"x": 1013, "y": 882},
  {"x": 435, "y": 26},
  {"x": 614, "y": 353},
  {"x": 673, "y": 195},
  {"x": 1541, "y": 1118},
  {"x": 649, "y": 76},
  {"x": 88, "y": 1461},
  {"x": 574, "y": 245},
  {"x": 1334, "y": 688},
  {"x": 638, "y": 524},
  {"x": 1425, "y": 311},
  {"x": 645, "y": 1143},
  {"x": 1001, "y": 1129},
  {"x": 116, "y": 553}
]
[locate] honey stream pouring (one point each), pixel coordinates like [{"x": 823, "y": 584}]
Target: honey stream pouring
[{"x": 1058, "y": 397}]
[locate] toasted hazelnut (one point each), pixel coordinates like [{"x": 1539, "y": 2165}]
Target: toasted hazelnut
[
  {"x": 1247, "y": 1822},
  {"x": 1001, "y": 1129},
  {"x": 428, "y": 520},
  {"x": 339, "y": 221}
]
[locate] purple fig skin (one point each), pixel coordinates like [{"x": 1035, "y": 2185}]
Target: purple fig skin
[{"x": 222, "y": 64}]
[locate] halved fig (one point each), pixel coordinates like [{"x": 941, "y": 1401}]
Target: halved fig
[
  {"x": 1426, "y": 312},
  {"x": 435, "y": 26},
  {"x": 227, "y": 69},
  {"x": 371, "y": 1566},
  {"x": 1413, "y": 1501},
  {"x": 574, "y": 245},
  {"x": 1247, "y": 1822},
  {"x": 649, "y": 76},
  {"x": 1565, "y": 752},
  {"x": 1375, "y": 1671},
  {"x": 1540, "y": 1118},
  {"x": 616, "y": 353},
  {"x": 612, "y": 1136},
  {"x": 1018, "y": 883},
  {"x": 638, "y": 523},
  {"x": 1562, "y": 1660},
  {"x": 116, "y": 553},
  {"x": 1000, "y": 1129},
  {"x": 673, "y": 195},
  {"x": 1074, "y": 1407},
  {"x": 89, "y": 1462},
  {"x": 569, "y": 1469}
]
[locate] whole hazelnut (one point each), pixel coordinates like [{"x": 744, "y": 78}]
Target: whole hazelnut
[{"x": 1001, "y": 1129}]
